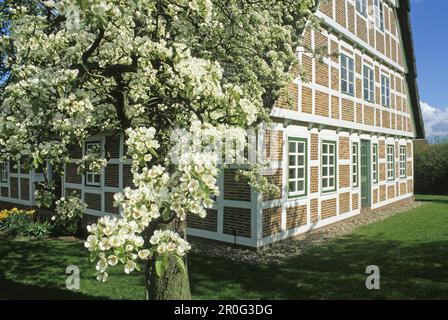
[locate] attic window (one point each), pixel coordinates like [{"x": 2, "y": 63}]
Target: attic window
[
  {"x": 379, "y": 14},
  {"x": 361, "y": 7}
]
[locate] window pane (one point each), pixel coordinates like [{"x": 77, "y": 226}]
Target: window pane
[
  {"x": 301, "y": 147},
  {"x": 292, "y": 147},
  {"x": 292, "y": 160},
  {"x": 292, "y": 186},
  {"x": 300, "y": 173},
  {"x": 331, "y": 171},
  {"x": 331, "y": 183},
  {"x": 300, "y": 185},
  {"x": 292, "y": 173},
  {"x": 325, "y": 171},
  {"x": 325, "y": 183},
  {"x": 97, "y": 178},
  {"x": 301, "y": 160}
]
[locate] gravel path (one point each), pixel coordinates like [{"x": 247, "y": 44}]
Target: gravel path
[{"x": 296, "y": 245}]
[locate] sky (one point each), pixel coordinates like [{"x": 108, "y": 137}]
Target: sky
[{"x": 430, "y": 31}]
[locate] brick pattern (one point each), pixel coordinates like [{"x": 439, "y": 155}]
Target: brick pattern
[
  {"x": 314, "y": 179},
  {"x": 209, "y": 223},
  {"x": 93, "y": 201},
  {"x": 344, "y": 203},
  {"x": 344, "y": 176},
  {"x": 272, "y": 221},
  {"x": 355, "y": 201},
  {"x": 14, "y": 183},
  {"x": 235, "y": 190},
  {"x": 127, "y": 176},
  {"x": 109, "y": 203},
  {"x": 5, "y": 192},
  {"x": 314, "y": 208},
  {"x": 314, "y": 147},
  {"x": 296, "y": 216},
  {"x": 276, "y": 179},
  {"x": 237, "y": 220},
  {"x": 71, "y": 174},
  {"x": 273, "y": 145},
  {"x": 25, "y": 189},
  {"x": 111, "y": 175},
  {"x": 328, "y": 105},
  {"x": 328, "y": 209}
]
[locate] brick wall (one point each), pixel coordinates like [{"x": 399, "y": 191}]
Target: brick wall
[
  {"x": 328, "y": 209},
  {"x": 296, "y": 216},
  {"x": 209, "y": 223},
  {"x": 237, "y": 220},
  {"x": 344, "y": 203},
  {"x": 71, "y": 175},
  {"x": 235, "y": 190},
  {"x": 276, "y": 179},
  {"x": 93, "y": 201},
  {"x": 272, "y": 221}
]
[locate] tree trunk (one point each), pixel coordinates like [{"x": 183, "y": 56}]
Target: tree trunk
[{"x": 175, "y": 284}]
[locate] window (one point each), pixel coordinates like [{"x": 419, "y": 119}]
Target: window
[
  {"x": 361, "y": 7},
  {"x": 375, "y": 163},
  {"x": 390, "y": 162},
  {"x": 385, "y": 91},
  {"x": 402, "y": 161},
  {"x": 379, "y": 14},
  {"x": 369, "y": 84},
  {"x": 355, "y": 157},
  {"x": 297, "y": 165},
  {"x": 93, "y": 179},
  {"x": 347, "y": 75},
  {"x": 328, "y": 166},
  {"x": 4, "y": 174}
]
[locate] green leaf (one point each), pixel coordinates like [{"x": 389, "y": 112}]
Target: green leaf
[
  {"x": 153, "y": 152},
  {"x": 180, "y": 263},
  {"x": 93, "y": 255},
  {"x": 161, "y": 265}
]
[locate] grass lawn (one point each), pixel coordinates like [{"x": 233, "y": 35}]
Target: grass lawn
[{"x": 411, "y": 250}]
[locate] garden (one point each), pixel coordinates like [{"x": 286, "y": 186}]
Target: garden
[{"x": 410, "y": 248}]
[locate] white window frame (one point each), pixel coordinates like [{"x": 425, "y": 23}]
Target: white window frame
[
  {"x": 369, "y": 84},
  {"x": 379, "y": 14},
  {"x": 296, "y": 155},
  {"x": 90, "y": 174},
  {"x": 327, "y": 165},
  {"x": 355, "y": 164},
  {"x": 375, "y": 162},
  {"x": 4, "y": 172},
  {"x": 385, "y": 91},
  {"x": 361, "y": 7},
  {"x": 347, "y": 75},
  {"x": 390, "y": 148},
  {"x": 403, "y": 159}
]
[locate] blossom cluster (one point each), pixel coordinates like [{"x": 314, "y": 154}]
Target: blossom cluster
[
  {"x": 92, "y": 161},
  {"x": 68, "y": 213},
  {"x": 167, "y": 241},
  {"x": 141, "y": 144}
]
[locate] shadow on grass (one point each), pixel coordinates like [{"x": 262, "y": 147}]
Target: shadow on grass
[
  {"x": 333, "y": 271},
  {"x": 35, "y": 269},
  {"x": 443, "y": 199},
  {"x": 336, "y": 270}
]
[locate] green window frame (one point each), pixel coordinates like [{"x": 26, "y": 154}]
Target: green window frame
[
  {"x": 375, "y": 163},
  {"x": 329, "y": 166},
  {"x": 403, "y": 173},
  {"x": 355, "y": 164},
  {"x": 297, "y": 167},
  {"x": 390, "y": 162}
]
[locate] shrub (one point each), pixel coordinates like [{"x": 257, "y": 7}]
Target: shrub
[
  {"x": 68, "y": 215},
  {"x": 431, "y": 169},
  {"x": 18, "y": 222},
  {"x": 39, "y": 229}
]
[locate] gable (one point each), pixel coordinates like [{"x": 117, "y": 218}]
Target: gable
[{"x": 393, "y": 44}]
